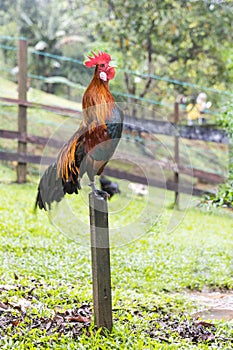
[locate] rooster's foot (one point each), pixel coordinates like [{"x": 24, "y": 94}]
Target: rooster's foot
[
  {"x": 97, "y": 192},
  {"x": 102, "y": 194}
]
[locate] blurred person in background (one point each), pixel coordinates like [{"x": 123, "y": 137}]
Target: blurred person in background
[{"x": 196, "y": 108}]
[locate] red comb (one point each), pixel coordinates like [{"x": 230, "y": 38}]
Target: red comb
[{"x": 101, "y": 57}]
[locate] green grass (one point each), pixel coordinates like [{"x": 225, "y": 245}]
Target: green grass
[{"x": 150, "y": 276}]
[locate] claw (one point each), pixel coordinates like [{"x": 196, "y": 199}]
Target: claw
[
  {"x": 97, "y": 192},
  {"x": 102, "y": 194}
]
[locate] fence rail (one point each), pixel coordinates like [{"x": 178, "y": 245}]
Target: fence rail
[
  {"x": 210, "y": 178},
  {"x": 55, "y": 109},
  {"x": 120, "y": 174},
  {"x": 208, "y": 133}
]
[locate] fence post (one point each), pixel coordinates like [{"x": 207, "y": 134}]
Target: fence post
[
  {"x": 22, "y": 110},
  {"x": 100, "y": 253},
  {"x": 176, "y": 156}
]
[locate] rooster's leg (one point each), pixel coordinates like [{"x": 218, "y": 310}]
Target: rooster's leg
[
  {"x": 92, "y": 170},
  {"x": 98, "y": 192},
  {"x": 93, "y": 186}
]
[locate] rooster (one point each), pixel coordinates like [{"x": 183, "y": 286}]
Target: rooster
[{"x": 92, "y": 145}]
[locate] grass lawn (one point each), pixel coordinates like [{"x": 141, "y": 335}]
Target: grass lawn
[{"x": 46, "y": 279}]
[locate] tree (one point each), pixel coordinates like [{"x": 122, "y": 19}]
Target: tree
[{"x": 181, "y": 39}]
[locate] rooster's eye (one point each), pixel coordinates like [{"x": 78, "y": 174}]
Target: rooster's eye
[{"x": 102, "y": 65}]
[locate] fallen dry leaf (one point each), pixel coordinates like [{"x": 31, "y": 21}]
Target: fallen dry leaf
[
  {"x": 78, "y": 318},
  {"x": 203, "y": 323}
]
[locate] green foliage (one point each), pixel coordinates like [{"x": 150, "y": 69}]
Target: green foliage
[
  {"x": 183, "y": 40},
  {"x": 226, "y": 121},
  {"x": 171, "y": 38},
  {"x": 223, "y": 197}
]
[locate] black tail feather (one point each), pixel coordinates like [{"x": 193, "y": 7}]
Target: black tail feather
[{"x": 52, "y": 189}]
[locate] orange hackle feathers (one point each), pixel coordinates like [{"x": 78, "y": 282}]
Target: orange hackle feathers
[
  {"x": 97, "y": 103},
  {"x": 100, "y": 58}
]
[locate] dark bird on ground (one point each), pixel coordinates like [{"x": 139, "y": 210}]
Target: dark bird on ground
[
  {"x": 92, "y": 145},
  {"x": 108, "y": 186}
]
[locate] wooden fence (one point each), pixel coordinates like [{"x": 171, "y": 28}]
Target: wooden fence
[{"x": 204, "y": 133}]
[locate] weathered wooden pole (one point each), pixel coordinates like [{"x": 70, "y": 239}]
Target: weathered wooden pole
[
  {"x": 22, "y": 110},
  {"x": 100, "y": 252},
  {"x": 176, "y": 156}
]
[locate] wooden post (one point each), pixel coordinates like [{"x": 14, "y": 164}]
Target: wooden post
[
  {"x": 100, "y": 252},
  {"x": 176, "y": 155},
  {"x": 22, "y": 110}
]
